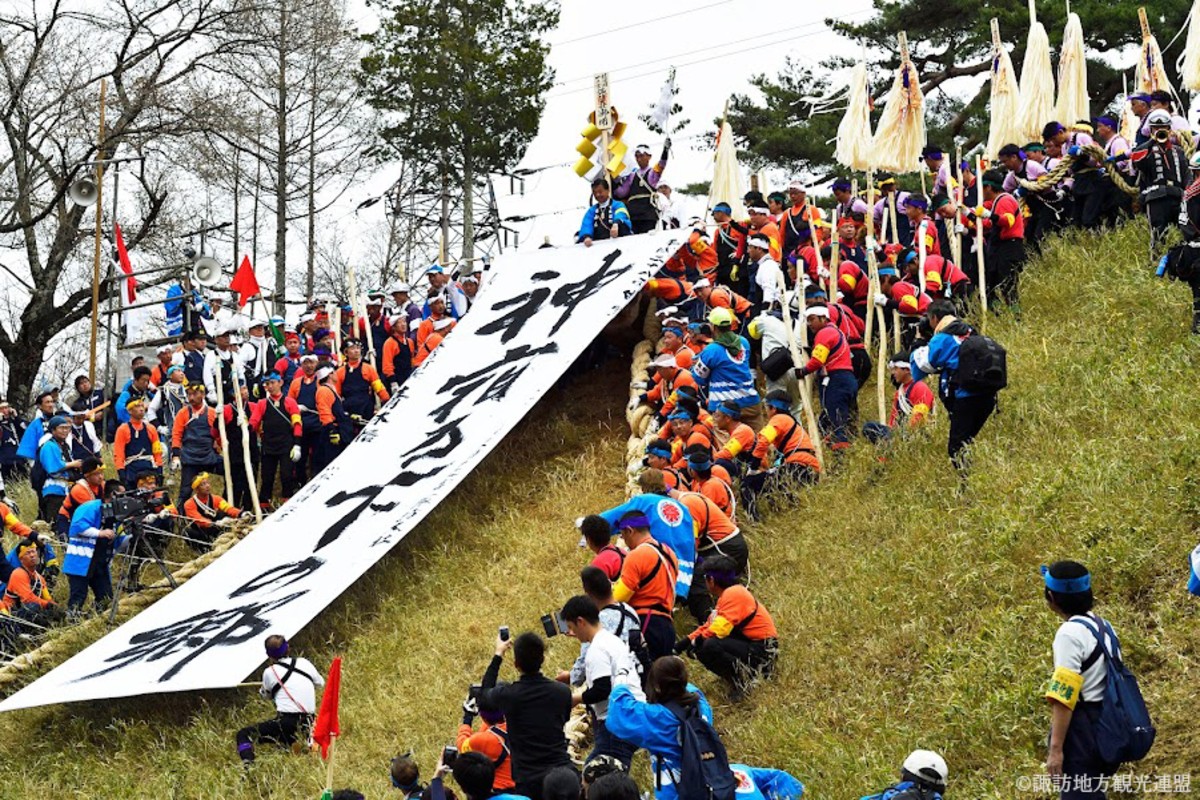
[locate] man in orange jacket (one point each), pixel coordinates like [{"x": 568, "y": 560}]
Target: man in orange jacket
[
  {"x": 440, "y": 329},
  {"x": 355, "y": 381},
  {"x": 136, "y": 448},
  {"x": 738, "y": 451},
  {"x": 738, "y": 642},
  {"x": 26, "y": 595},
  {"x": 716, "y": 534},
  {"x": 797, "y": 460},
  {"x": 206, "y": 512}
]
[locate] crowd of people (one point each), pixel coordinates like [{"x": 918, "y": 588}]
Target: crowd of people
[
  {"x": 737, "y": 306},
  {"x": 256, "y": 413}
]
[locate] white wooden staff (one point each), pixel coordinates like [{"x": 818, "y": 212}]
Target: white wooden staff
[
  {"x": 810, "y": 418},
  {"x": 979, "y": 246},
  {"x": 872, "y": 309},
  {"x": 221, "y": 418},
  {"x": 243, "y": 423},
  {"x": 895, "y": 240},
  {"x": 872, "y": 278}
]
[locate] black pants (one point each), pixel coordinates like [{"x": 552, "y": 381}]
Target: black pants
[
  {"x": 645, "y": 224},
  {"x": 659, "y": 634},
  {"x": 1163, "y": 214},
  {"x": 284, "y": 730},
  {"x": 99, "y": 580},
  {"x": 967, "y": 415},
  {"x": 306, "y": 467},
  {"x": 1082, "y": 764},
  {"x": 1089, "y": 208},
  {"x": 699, "y": 602},
  {"x": 287, "y": 476},
  {"x": 48, "y": 506},
  {"x": 240, "y": 493},
  {"x": 759, "y": 483},
  {"x": 736, "y": 659},
  {"x": 1195, "y": 284},
  {"x": 1005, "y": 258}
]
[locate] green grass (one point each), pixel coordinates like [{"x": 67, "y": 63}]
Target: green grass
[{"x": 910, "y": 612}]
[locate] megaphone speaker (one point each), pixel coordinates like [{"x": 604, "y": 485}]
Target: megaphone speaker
[
  {"x": 82, "y": 192},
  {"x": 206, "y": 271}
]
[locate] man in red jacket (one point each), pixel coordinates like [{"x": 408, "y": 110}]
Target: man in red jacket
[
  {"x": 1004, "y": 233},
  {"x": 904, "y": 297},
  {"x": 831, "y": 353}
]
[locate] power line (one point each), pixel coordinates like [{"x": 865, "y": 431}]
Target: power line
[{"x": 639, "y": 23}]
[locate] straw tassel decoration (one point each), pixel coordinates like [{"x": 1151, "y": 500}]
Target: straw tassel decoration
[{"x": 900, "y": 136}]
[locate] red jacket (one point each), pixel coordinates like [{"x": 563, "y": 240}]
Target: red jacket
[{"x": 830, "y": 350}]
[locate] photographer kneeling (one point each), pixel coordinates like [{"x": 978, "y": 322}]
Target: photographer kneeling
[{"x": 91, "y": 545}]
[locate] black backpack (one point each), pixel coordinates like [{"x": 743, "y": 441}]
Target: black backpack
[
  {"x": 704, "y": 772},
  {"x": 982, "y": 365},
  {"x": 37, "y": 476}
]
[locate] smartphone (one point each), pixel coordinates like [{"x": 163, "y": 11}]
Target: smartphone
[
  {"x": 549, "y": 625},
  {"x": 475, "y": 690},
  {"x": 449, "y": 755},
  {"x": 560, "y": 622},
  {"x": 504, "y": 633}
]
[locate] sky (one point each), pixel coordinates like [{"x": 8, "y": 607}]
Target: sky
[{"x": 716, "y": 46}]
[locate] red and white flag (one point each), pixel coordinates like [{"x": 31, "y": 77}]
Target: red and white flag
[{"x": 131, "y": 318}]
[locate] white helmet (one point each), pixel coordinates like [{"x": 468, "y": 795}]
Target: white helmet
[
  {"x": 1158, "y": 118},
  {"x": 927, "y": 766}
]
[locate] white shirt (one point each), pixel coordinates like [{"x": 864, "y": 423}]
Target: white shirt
[
  {"x": 1073, "y": 643},
  {"x": 613, "y": 618},
  {"x": 773, "y": 332},
  {"x": 770, "y": 278},
  {"x": 608, "y": 657},
  {"x": 298, "y": 695}
]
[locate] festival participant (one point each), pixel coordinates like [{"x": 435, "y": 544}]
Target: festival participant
[
  {"x": 206, "y": 512},
  {"x": 1086, "y": 191},
  {"x": 226, "y": 358},
  {"x": 490, "y": 740},
  {"x": 289, "y": 363},
  {"x": 92, "y": 544},
  {"x": 1162, "y": 174},
  {"x": 658, "y": 456},
  {"x": 597, "y": 537},
  {"x": 737, "y": 453},
  {"x": 137, "y": 389},
  {"x": 54, "y": 456},
  {"x": 738, "y": 642},
  {"x": 1076, "y": 693},
  {"x": 1116, "y": 151},
  {"x": 355, "y": 381},
  {"x": 606, "y": 218},
  {"x": 761, "y": 223},
  {"x": 291, "y": 683},
  {"x": 688, "y": 435},
  {"x": 798, "y": 222},
  {"x": 769, "y": 328},
  {"x": 277, "y": 422},
  {"x": 440, "y": 329},
  {"x": 849, "y": 207},
  {"x": 695, "y": 258},
  {"x": 799, "y": 464},
  {"x": 715, "y": 297},
  {"x": 850, "y": 251},
  {"x": 727, "y": 242},
  {"x": 166, "y": 404},
  {"x": 303, "y": 390},
  {"x": 377, "y": 322},
  {"x": 619, "y": 619},
  {"x": 670, "y": 523},
  {"x": 915, "y": 208},
  {"x": 26, "y": 595},
  {"x": 636, "y": 188},
  {"x": 258, "y": 355},
  {"x": 942, "y": 278},
  {"x": 1139, "y": 104},
  {"x": 136, "y": 447},
  {"x": 723, "y": 369},
  {"x": 922, "y": 777},
  {"x": 831, "y": 353},
  {"x": 968, "y": 409},
  {"x": 195, "y": 440},
  {"x": 938, "y": 166},
  {"x": 716, "y": 534},
  {"x": 83, "y": 440},
  {"x": 397, "y": 356},
  {"x": 903, "y": 297},
  {"x": 766, "y": 278},
  {"x": 336, "y": 426},
  {"x": 404, "y": 307},
  {"x": 87, "y": 488},
  {"x": 911, "y": 405},
  {"x": 1004, "y": 232},
  {"x": 669, "y": 290},
  {"x": 535, "y": 708},
  {"x": 195, "y": 345},
  {"x": 887, "y": 227},
  {"x": 437, "y": 311},
  {"x": 704, "y": 481},
  {"x": 608, "y": 663},
  {"x": 647, "y": 581},
  {"x": 12, "y": 429},
  {"x": 1161, "y": 100},
  {"x": 38, "y": 431}
]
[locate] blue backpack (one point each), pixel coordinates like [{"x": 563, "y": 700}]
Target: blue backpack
[
  {"x": 1124, "y": 731},
  {"x": 704, "y": 772}
]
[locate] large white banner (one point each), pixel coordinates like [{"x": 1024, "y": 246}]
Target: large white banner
[{"x": 534, "y": 316}]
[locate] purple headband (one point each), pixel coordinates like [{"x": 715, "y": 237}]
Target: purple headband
[
  {"x": 721, "y": 575},
  {"x": 278, "y": 652},
  {"x": 640, "y": 521}
]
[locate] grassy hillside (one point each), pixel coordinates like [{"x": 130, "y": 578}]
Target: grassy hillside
[{"x": 910, "y": 611}]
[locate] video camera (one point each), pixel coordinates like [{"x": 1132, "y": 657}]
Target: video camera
[{"x": 132, "y": 505}]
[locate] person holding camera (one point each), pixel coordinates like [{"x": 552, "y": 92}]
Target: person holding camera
[
  {"x": 207, "y": 512},
  {"x": 491, "y": 740},
  {"x": 738, "y": 641},
  {"x": 292, "y": 684},
  {"x": 91, "y": 545},
  {"x": 608, "y": 663},
  {"x": 618, "y": 619},
  {"x": 475, "y": 774},
  {"x": 535, "y": 708}
]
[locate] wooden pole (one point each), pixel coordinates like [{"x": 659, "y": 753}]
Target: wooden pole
[
  {"x": 99, "y": 234},
  {"x": 835, "y": 252},
  {"x": 872, "y": 276},
  {"x": 221, "y": 420},
  {"x": 360, "y": 308},
  {"x": 240, "y": 405},
  {"x": 979, "y": 248},
  {"x": 329, "y": 764},
  {"x": 955, "y": 238},
  {"x": 895, "y": 240},
  {"x": 810, "y": 418},
  {"x": 709, "y": 203}
]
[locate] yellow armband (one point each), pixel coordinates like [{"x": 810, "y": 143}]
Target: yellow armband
[
  {"x": 820, "y": 353},
  {"x": 720, "y": 627},
  {"x": 1065, "y": 686},
  {"x": 621, "y": 592},
  {"x": 295, "y": 419},
  {"x": 157, "y": 448}
]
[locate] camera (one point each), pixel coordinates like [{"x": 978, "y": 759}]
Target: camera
[
  {"x": 554, "y": 624},
  {"x": 135, "y": 504},
  {"x": 475, "y": 690}
]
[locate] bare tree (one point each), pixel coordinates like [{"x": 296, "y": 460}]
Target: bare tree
[{"x": 52, "y": 61}]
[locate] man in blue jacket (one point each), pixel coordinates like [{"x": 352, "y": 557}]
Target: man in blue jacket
[
  {"x": 31, "y": 439},
  {"x": 606, "y": 219},
  {"x": 670, "y": 524},
  {"x": 55, "y": 458},
  {"x": 968, "y": 410},
  {"x": 723, "y": 370},
  {"x": 92, "y": 544}
]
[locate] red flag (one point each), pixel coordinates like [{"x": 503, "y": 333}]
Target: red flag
[
  {"x": 326, "y": 726},
  {"x": 244, "y": 282},
  {"x": 132, "y": 318}
]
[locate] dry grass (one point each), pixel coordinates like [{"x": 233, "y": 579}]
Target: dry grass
[{"x": 910, "y": 612}]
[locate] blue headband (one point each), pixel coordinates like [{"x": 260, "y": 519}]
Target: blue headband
[
  {"x": 907, "y": 260},
  {"x": 1106, "y": 120},
  {"x": 659, "y": 450},
  {"x": 892, "y": 271},
  {"x": 1066, "y": 585},
  {"x": 729, "y": 409},
  {"x": 278, "y": 652},
  {"x": 672, "y": 329},
  {"x": 679, "y": 415},
  {"x": 699, "y": 461},
  {"x": 640, "y": 521},
  {"x": 723, "y": 207},
  {"x": 841, "y": 184},
  {"x": 779, "y": 403}
]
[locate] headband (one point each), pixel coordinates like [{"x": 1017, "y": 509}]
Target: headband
[
  {"x": 681, "y": 414},
  {"x": 899, "y": 365},
  {"x": 203, "y": 476},
  {"x": 672, "y": 329},
  {"x": 658, "y": 450},
  {"x": 280, "y": 651},
  {"x": 886, "y": 271},
  {"x": 778, "y": 402},
  {"x": 994, "y": 183},
  {"x": 639, "y": 521},
  {"x": 1066, "y": 585},
  {"x": 722, "y": 575},
  {"x": 25, "y": 546}
]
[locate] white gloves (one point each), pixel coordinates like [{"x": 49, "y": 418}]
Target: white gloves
[
  {"x": 224, "y": 523},
  {"x": 295, "y": 454},
  {"x": 304, "y": 408},
  {"x": 823, "y": 273},
  {"x": 579, "y": 522},
  {"x": 871, "y": 244},
  {"x": 150, "y": 518},
  {"x": 247, "y": 515},
  {"x": 394, "y": 389},
  {"x": 881, "y": 299},
  {"x": 634, "y": 402},
  {"x": 639, "y": 386},
  {"x": 175, "y": 464},
  {"x": 162, "y": 432}
]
